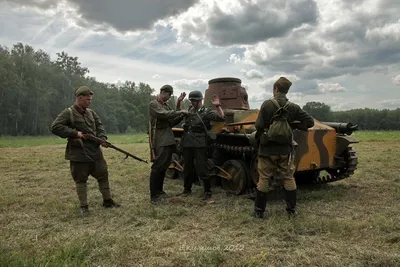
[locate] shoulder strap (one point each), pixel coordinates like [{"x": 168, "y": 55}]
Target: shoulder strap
[
  {"x": 279, "y": 106},
  {"x": 276, "y": 103},
  {"x": 287, "y": 104},
  {"x": 205, "y": 128},
  {"x": 71, "y": 117}
]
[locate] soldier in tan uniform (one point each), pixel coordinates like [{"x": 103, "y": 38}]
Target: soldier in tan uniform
[
  {"x": 275, "y": 158},
  {"x": 85, "y": 156},
  {"x": 162, "y": 119}
]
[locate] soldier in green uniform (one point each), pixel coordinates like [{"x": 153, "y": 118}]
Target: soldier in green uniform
[
  {"x": 194, "y": 142},
  {"x": 275, "y": 158},
  {"x": 162, "y": 119},
  {"x": 85, "y": 156}
]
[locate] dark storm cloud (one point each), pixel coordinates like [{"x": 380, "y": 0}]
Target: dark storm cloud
[{"x": 122, "y": 15}]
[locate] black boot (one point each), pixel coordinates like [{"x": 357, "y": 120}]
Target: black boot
[
  {"x": 290, "y": 198},
  {"x": 206, "y": 195},
  {"x": 162, "y": 194},
  {"x": 110, "y": 203},
  {"x": 259, "y": 204}
]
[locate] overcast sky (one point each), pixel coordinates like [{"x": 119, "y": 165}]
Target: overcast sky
[{"x": 343, "y": 53}]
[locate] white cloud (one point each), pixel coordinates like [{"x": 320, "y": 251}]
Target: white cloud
[
  {"x": 295, "y": 96},
  {"x": 233, "y": 58},
  {"x": 330, "y": 88},
  {"x": 252, "y": 74},
  {"x": 259, "y": 97},
  {"x": 190, "y": 85},
  {"x": 396, "y": 80}
]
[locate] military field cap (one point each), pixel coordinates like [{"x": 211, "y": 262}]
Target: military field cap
[
  {"x": 83, "y": 90},
  {"x": 284, "y": 83},
  {"x": 167, "y": 88}
]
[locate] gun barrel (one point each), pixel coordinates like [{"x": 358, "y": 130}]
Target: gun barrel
[
  {"x": 99, "y": 141},
  {"x": 342, "y": 128}
]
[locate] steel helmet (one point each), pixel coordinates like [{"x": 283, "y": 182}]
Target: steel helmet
[
  {"x": 167, "y": 88},
  {"x": 195, "y": 95}
]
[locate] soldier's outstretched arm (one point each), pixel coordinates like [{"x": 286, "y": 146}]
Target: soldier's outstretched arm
[
  {"x": 176, "y": 120},
  {"x": 160, "y": 113},
  {"x": 306, "y": 120},
  {"x": 61, "y": 125}
]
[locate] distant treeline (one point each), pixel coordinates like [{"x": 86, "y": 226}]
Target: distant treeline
[
  {"x": 366, "y": 118},
  {"x": 34, "y": 89}
]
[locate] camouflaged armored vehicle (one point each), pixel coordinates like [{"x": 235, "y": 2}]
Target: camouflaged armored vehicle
[{"x": 324, "y": 153}]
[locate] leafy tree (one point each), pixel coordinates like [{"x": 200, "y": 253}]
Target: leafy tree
[{"x": 319, "y": 111}]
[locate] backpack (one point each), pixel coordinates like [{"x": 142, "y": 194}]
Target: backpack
[{"x": 280, "y": 131}]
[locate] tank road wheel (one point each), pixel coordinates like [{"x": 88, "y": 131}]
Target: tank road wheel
[{"x": 239, "y": 172}]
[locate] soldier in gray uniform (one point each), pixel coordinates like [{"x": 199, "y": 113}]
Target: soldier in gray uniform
[
  {"x": 162, "y": 119},
  {"x": 194, "y": 142},
  {"x": 85, "y": 156}
]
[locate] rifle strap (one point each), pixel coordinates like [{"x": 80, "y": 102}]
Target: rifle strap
[
  {"x": 71, "y": 117},
  {"x": 205, "y": 128}
]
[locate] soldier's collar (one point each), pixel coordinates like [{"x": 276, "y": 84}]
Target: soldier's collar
[
  {"x": 280, "y": 96},
  {"x": 159, "y": 100},
  {"x": 80, "y": 110},
  {"x": 199, "y": 110}
]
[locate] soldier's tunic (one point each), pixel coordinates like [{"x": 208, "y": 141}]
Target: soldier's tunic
[
  {"x": 273, "y": 157},
  {"x": 194, "y": 144},
  {"x": 162, "y": 119},
  {"x": 85, "y": 156}
]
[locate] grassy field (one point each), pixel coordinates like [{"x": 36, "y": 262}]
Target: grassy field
[{"x": 354, "y": 222}]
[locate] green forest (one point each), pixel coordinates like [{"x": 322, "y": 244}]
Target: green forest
[{"x": 34, "y": 89}]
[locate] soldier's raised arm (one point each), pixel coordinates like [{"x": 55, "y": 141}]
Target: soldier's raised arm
[{"x": 218, "y": 114}]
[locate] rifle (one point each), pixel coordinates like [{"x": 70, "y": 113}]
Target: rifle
[
  {"x": 151, "y": 140},
  {"x": 100, "y": 141}
]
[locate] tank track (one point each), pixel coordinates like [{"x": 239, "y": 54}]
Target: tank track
[
  {"x": 350, "y": 165},
  {"x": 350, "y": 162},
  {"x": 236, "y": 150}
]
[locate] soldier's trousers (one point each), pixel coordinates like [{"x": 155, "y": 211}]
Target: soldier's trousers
[
  {"x": 190, "y": 156},
  {"x": 163, "y": 156},
  {"x": 80, "y": 172},
  {"x": 277, "y": 166}
]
